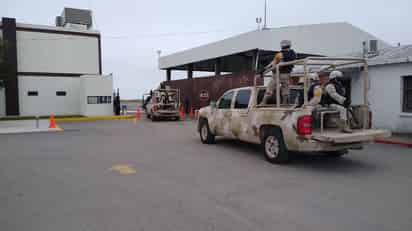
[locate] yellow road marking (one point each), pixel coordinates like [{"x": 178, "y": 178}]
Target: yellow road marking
[{"x": 123, "y": 169}]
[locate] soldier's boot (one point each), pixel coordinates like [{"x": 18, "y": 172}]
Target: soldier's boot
[{"x": 345, "y": 127}]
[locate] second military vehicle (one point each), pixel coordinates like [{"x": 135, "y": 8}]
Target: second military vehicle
[{"x": 162, "y": 104}]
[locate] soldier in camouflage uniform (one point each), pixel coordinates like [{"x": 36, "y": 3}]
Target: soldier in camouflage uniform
[{"x": 285, "y": 55}]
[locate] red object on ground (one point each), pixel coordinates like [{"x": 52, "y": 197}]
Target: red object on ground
[
  {"x": 138, "y": 114},
  {"x": 52, "y": 123},
  {"x": 191, "y": 114},
  {"x": 181, "y": 112},
  {"x": 402, "y": 143}
]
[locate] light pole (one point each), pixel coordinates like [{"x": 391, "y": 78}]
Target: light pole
[{"x": 265, "y": 22}]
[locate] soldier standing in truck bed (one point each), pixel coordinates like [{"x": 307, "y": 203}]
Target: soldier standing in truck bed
[{"x": 285, "y": 55}]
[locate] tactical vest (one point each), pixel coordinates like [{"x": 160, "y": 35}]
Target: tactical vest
[
  {"x": 327, "y": 99},
  {"x": 288, "y": 55},
  {"x": 311, "y": 91}
]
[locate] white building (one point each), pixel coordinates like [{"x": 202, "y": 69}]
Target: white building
[
  {"x": 53, "y": 69},
  {"x": 390, "y": 92}
]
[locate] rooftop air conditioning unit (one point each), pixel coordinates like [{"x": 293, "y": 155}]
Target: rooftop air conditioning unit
[
  {"x": 370, "y": 48},
  {"x": 59, "y": 21},
  {"x": 373, "y": 46},
  {"x": 73, "y": 16}
]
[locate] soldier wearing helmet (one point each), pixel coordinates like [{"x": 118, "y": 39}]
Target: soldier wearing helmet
[
  {"x": 315, "y": 90},
  {"x": 334, "y": 97},
  {"x": 285, "y": 55}
]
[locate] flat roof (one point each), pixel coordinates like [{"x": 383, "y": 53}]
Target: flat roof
[
  {"x": 393, "y": 55},
  {"x": 327, "y": 39},
  {"x": 45, "y": 28}
]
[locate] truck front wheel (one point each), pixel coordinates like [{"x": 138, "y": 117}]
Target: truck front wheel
[
  {"x": 205, "y": 135},
  {"x": 274, "y": 147}
]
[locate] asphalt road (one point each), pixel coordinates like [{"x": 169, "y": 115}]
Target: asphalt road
[{"x": 66, "y": 181}]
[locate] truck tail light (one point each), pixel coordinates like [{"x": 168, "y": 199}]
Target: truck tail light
[{"x": 305, "y": 125}]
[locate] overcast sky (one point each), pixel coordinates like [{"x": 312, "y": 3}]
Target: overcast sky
[{"x": 133, "y": 31}]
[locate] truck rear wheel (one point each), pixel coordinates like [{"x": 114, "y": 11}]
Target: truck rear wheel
[
  {"x": 205, "y": 135},
  {"x": 274, "y": 147}
]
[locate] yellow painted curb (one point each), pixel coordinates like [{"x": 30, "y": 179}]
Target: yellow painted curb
[{"x": 94, "y": 118}]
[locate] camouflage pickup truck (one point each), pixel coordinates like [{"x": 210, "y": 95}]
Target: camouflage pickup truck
[
  {"x": 162, "y": 104},
  {"x": 280, "y": 129}
]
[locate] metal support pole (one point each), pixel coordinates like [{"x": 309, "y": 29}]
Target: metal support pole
[
  {"x": 366, "y": 84},
  {"x": 190, "y": 71},
  {"x": 37, "y": 122},
  {"x": 217, "y": 66},
  {"x": 305, "y": 84},
  {"x": 256, "y": 68},
  {"x": 168, "y": 75},
  {"x": 277, "y": 87},
  {"x": 365, "y": 94}
]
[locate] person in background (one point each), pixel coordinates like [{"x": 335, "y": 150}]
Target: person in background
[
  {"x": 287, "y": 54},
  {"x": 334, "y": 98},
  {"x": 187, "y": 104}
]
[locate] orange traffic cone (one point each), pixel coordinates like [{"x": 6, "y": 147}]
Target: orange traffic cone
[
  {"x": 138, "y": 114},
  {"x": 52, "y": 123},
  {"x": 181, "y": 112},
  {"x": 191, "y": 114}
]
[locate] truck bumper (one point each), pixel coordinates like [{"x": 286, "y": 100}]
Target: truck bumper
[
  {"x": 166, "y": 114},
  {"x": 316, "y": 146}
]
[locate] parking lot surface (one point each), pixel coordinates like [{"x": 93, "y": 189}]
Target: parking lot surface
[{"x": 115, "y": 175}]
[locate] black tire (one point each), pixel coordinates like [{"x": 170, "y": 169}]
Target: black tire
[
  {"x": 148, "y": 115},
  {"x": 153, "y": 117},
  {"x": 337, "y": 154},
  {"x": 274, "y": 147},
  {"x": 205, "y": 135}
]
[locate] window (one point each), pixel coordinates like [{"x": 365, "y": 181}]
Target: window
[
  {"x": 32, "y": 93},
  {"x": 261, "y": 94},
  {"x": 226, "y": 100},
  {"x": 407, "y": 94},
  {"x": 242, "y": 99},
  {"x": 60, "y": 93},
  {"x": 99, "y": 99}
]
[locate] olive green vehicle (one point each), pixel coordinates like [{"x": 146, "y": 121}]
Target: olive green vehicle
[{"x": 281, "y": 129}]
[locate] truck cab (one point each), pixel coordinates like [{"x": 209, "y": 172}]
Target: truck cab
[{"x": 280, "y": 129}]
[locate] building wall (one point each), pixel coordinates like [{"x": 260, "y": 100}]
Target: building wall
[
  {"x": 96, "y": 86},
  {"x": 2, "y": 102},
  {"x": 57, "y": 53},
  {"x": 386, "y": 96},
  {"x": 47, "y": 102},
  {"x": 2, "y": 92},
  {"x": 214, "y": 85}
]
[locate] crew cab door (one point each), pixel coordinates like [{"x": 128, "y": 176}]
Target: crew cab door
[
  {"x": 239, "y": 124},
  {"x": 223, "y": 115}
]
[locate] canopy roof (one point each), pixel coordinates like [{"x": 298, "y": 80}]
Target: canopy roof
[{"x": 236, "y": 53}]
